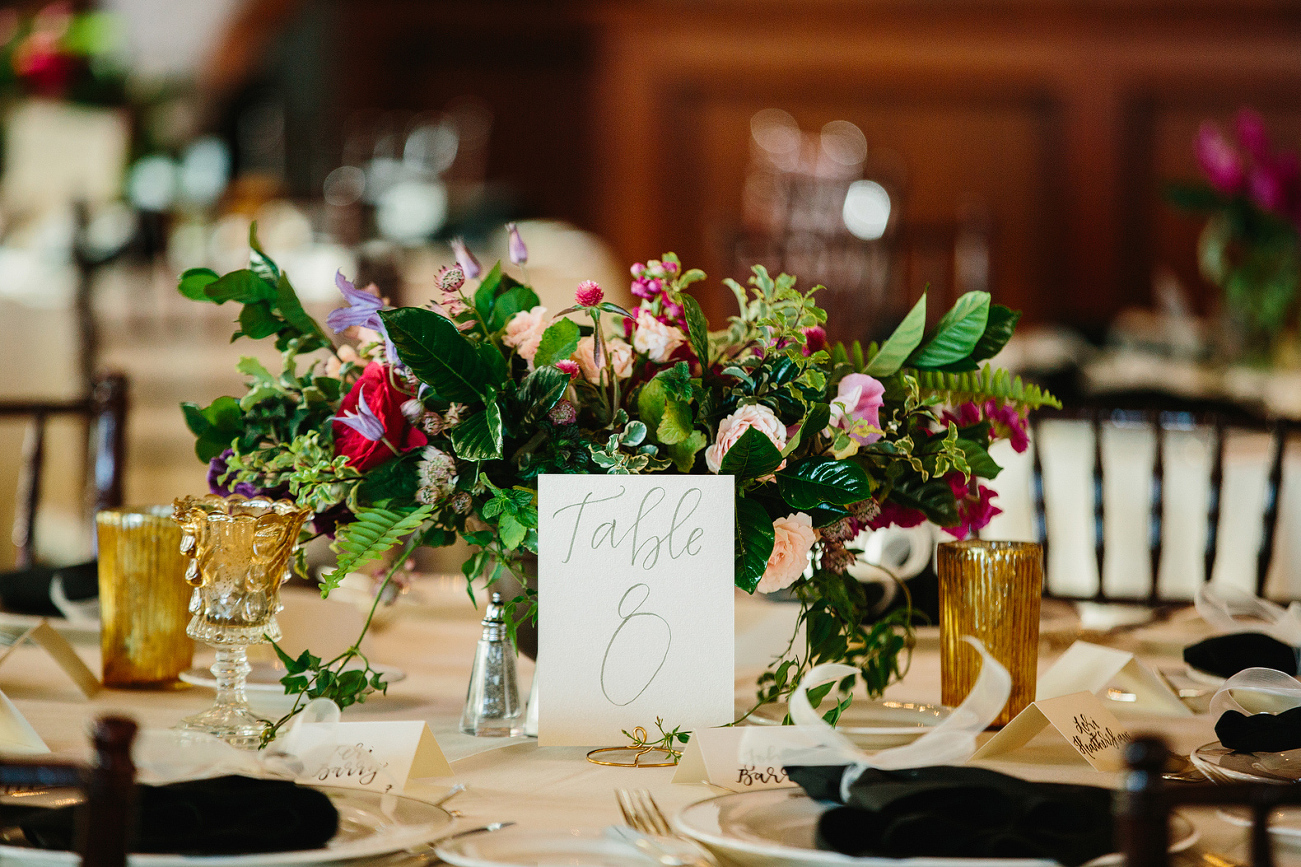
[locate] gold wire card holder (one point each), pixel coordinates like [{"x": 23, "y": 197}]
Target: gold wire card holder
[{"x": 631, "y": 756}]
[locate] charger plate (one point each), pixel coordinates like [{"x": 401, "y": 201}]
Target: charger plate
[
  {"x": 529, "y": 847},
  {"x": 775, "y": 827},
  {"x": 1222, "y": 764},
  {"x": 370, "y": 824},
  {"x": 872, "y": 725}
]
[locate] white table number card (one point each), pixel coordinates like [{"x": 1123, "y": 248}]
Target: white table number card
[{"x": 635, "y": 600}]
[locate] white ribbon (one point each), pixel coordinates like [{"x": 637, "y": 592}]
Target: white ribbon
[
  {"x": 813, "y": 741},
  {"x": 1257, "y": 690},
  {"x": 1231, "y": 610}
]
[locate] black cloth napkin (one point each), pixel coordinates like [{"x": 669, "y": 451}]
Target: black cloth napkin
[
  {"x": 959, "y": 812},
  {"x": 1226, "y": 655},
  {"x": 27, "y": 591},
  {"x": 230, "y": 815},
  {"x": 1260, "y": 732}
]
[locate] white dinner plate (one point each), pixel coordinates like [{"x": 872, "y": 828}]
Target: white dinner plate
[
  {"x": 773, "y": 827},
  {"x": 525, "y": 847},
  {"x": 1222, "y": 764},
  {"x": 265, "y": 676},
  {"x": 872, "y": 725},
  {"x": 370, "y": 824},
  {"x": 1284, "y": 822}
]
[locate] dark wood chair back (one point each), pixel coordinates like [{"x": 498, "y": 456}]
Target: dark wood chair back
[
  {"x": 106, "y": 817},
  {"x": 105, "y": 412},
  {"x": 1160, "y": 422},
  {"x": 1144, "y": 804}
]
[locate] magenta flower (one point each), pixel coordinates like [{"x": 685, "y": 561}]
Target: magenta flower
[
  {"x": 1219, "y": 159},
  {"x": 1249, "y": 127},
  {"x": 963, "y": 415},
  {"x": 569, "y": 366},
  {"x": 469, "y": 265},
  {"x": 1272, "y": 182},
  {"x": 641, "y": 288},
  {"x": 857, "y": 406},
  {"x": 815, "y": 339},
  {"x": 589, "y": 294},
  {"x": 894, "y": 515},
  {"x": 1006, "y": 422},
  {"x": 519, "y": 254},
  {"x": 974, "y": 510}
]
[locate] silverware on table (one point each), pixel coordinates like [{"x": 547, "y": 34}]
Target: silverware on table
[{"x": 655, "y": 835}]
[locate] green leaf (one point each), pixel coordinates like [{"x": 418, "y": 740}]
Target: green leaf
[
  {"x": 479, "y": 437},
  {"x": 697, "y": 329},
  {"x": 998, "y": 331},
  {"x": 194, "y": 281},
  {"x": 815, "y": 422},
  {"x": 814, "y": 481},
  {"x": 257, "y": 321},
  {"x": 259, "y": 262},
  {"x": 683, "y": 454},
  {"x": 559, "y": 341},
  {"x": 215, "y": 427},
  {"x": 956, "y": 334},
  {"x": 250, "y": 366},
  {"x": 440, "y": 355},
  {"x": 540, "y": 391},
  {"x": 752, "y": 456},
  {"x": 291, "y": 309},
  {"x": 372, "y": 533},
  {"x": 391, "y": 483},
  {"x": 932, "y": 498},
  {"x": 487, "y": 292},
  {"x": 243, "y": 286},
  {"x": 754, "y": 541},
  {"x": 988, "y": 384},
  {"x": 514, "y": 300},
  {"x": 892, "y": 354},
  {"x": 978, "y": 459}
]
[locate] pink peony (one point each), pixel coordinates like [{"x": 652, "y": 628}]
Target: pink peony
[
  {"x": 790, "y": 552},
  {"x": 654, "y": 338},
  {"x": 731, "y": 428},
  {"x": 524, "y": 332},
  {"x": 620, "y": 356},
  {"x": 856, "y": 407},
  {"x": 589, "y": 294}
]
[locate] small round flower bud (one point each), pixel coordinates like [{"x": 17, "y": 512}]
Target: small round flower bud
[{"x": 589, "y": 294}]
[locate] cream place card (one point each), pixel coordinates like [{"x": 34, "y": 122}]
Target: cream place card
[
  {"x": 376, "y": 756},
  {"x": 713, "y": 756},
  {"x": 48, "y": 639},
  {"x": 1093, "y": 668},
  {"x": 17, "y": 737},
  {"x": 1080, "y": 718},
  {"x": 635, "y": 600}
]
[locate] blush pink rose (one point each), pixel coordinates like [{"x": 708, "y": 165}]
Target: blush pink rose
[
  {"x": 731, "y": 428},
  {"x": 524, "y": 332},
  {"x": 655, "y": 338},
  {"x": 620, "y": 358},
  {"x": 856, "y": 408},
  {"x": 790, "y": 552}
]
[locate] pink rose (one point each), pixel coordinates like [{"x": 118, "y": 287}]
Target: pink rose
[
  {"x": 620, "y": 357},
  {"x": 790, "y": 552},
  {"x": 524, "y": 332},
  {"x": 654, "y": 338},
  {"x": 856, "y": 407},
  {"x": 731, "y": 428}
]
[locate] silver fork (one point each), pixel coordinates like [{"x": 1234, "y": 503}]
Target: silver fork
[{"x": 644, "y": 816}]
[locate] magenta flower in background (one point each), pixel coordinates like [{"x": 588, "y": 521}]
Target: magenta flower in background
[
  {"x": 894, "y": 515},
  {"x": 815, "y": 339},
  {"x": 974, "y": 510},
  {"x": 857, "y": 406},
  {"x": 519, "y": 254},
  {"x": 1006, "y": 422},
  {"x": 589, "y": 294},
  {"x": 1272, "y": 183},
  {"x": 1249, "y": 127},
  {"x": 963, "y": 415},
  {"x": 1219, "y": 159},
  {"x": 469, "y": 265}
]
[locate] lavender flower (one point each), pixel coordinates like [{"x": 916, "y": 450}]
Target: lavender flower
[
  {"x": 469, "y": 265},
  {"x": 519, "y": 254},
  {"x": 363, "y": 420},
  {"x": 363, "y": 308}
]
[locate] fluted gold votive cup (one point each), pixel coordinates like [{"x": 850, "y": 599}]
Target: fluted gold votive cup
[
  {"x": 143, "y": 598},
  {"x": 990, "y": 591}
]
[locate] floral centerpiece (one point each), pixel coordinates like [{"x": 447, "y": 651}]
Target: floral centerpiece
[
  {"x": 1250, "y": 248},
  {"x": 422, "y": 425},
  {"x": 58, "y": 54}
]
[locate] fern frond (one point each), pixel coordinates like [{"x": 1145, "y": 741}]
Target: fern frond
[
  {"x": 980, "y": 386},
  {"x": 372, "y": 533}
]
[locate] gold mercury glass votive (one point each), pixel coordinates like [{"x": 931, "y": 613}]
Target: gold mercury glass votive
[
  {"x": 143, "y": 598},
  {"x": 990, "y": 591}
]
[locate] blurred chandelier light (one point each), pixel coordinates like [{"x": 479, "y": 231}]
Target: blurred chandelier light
[{"x": 867, "y": 210}]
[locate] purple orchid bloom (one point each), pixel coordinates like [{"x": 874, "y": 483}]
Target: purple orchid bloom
[
  {"x": 464, "y": 258},
  {"x": 519, "y": 254},
  {"x": 363, "y": 421}
]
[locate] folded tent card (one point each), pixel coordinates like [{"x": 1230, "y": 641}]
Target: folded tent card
[
  {"x": 1086, "y": 667},
  {"x": 17, "y": 737},
  {"x": 48, "y": 639},
  {"x": 1081, "y": 718}
]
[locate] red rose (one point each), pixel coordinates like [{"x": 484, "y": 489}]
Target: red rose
[{"x": 385, "y": 405}]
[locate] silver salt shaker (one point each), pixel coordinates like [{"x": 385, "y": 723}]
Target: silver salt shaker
[{"x": 492, "y": 703}]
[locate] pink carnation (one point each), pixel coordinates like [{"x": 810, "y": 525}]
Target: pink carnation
[{"x": 569, "y": 366}]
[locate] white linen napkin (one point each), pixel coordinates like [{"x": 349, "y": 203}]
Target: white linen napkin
[{"x": 812, "y": 741}]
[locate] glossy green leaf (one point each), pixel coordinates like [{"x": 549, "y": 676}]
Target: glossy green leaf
[
  {"x": 754, "y": 542},
  {"x": 815, "y": 481},
  {"x": 243, "y": 286},
  {"x": 697, "y": 329},
  {"x": 259, "y": 262},
  {"x": 558, "y": 342},
  {"x": 998, "y": 331},
  {"x": 957, "y": 333},
  {"x": 892, "y": 354},
  {"x": 479, "y": 437},
  {"x": 514, "y": 300},
  {"x": 979, "y": 460},
  {"x": 291, "y": 309},
  {"x": 194, "y": 281},
  {"x": 540, "y": 391},
  {"x": 257, "y": 321},
  {"x": 440, "y": 355},
  {"x": 751, "y": 456},
  {"x": 489, "y": 284}
]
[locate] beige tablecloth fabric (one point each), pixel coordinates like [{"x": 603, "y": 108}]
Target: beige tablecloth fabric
[{"x": 551, "y": 787}]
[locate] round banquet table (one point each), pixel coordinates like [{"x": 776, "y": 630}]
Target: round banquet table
[{"x": 432, "y": 639}]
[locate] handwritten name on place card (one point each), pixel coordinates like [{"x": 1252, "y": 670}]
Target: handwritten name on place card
[
  {"x": 377, "y": 756},
  {"x": 1080, "y": 718},
  {"x": 635, "y": 603},
  {"x": 712, "y": 755}
]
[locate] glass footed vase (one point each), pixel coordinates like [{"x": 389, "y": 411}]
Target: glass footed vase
[{"x": 238, "y": 551}]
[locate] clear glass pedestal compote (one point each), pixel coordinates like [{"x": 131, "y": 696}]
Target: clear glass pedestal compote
[{"x": 239, "y": 551}]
